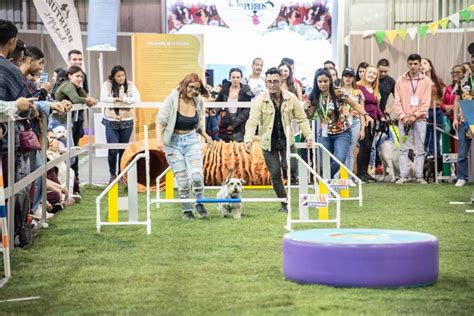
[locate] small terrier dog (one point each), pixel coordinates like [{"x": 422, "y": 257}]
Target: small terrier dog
[{"x": 232, "y": 188}]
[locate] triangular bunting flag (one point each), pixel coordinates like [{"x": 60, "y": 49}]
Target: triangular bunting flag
[
  {"x": 444, "y": 23},
  {"x": 455, "y": 19},
  {"x": 391, "y": 35},
  {"x": 380, "y": 35},
  {"x": 465, "y": 15},
  {"x": 412, "y": 32},
  {"x": 402, "y": 33},
  {"x": 368, "y": 33},
  {"x": 422, "y": 29},
  {"x": 433, "y": 26}
]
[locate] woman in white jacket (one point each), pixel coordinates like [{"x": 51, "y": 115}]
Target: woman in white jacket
[{"x": 118, "y": 121}]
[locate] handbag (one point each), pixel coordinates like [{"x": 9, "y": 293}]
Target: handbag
[{"x": 29, "y": 141}]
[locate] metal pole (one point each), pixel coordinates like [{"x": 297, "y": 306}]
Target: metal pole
[
  {"x": 435, "y": 147},
  {"x": 68, "y": 147},
  {"x": 288, "y": 177},
  {"x": 91, "y": 148},
  {"x": 11, "y": 182},
  {"x": 44, "y": 178},
  {"x": 147, "y": 171}
]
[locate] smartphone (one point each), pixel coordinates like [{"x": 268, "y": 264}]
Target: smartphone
[{"x": 43, "y": 78}]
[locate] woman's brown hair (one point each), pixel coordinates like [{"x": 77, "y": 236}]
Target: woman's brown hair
[{"x": 192, "y": 77}]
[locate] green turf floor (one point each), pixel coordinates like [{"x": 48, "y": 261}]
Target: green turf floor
[{"x": 227, "y": 267}]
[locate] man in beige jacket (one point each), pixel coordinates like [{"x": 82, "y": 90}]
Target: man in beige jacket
[{"x": 272, "y": 112}]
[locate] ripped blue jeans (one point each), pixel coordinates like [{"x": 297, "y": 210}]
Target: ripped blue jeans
[{"x": 184, "y": 155}]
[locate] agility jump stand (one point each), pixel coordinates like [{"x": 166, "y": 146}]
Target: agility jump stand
[
  {"x": 323, "y": 190},
  {"x": 5, "y": 244},
  {"x": 130, "y": 202},
  {"x": 169, "y": 194}
]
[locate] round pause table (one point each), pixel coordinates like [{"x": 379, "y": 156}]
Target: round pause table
[{"x": 370, "y": 258}]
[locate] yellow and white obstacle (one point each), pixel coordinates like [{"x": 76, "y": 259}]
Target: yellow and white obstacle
[{"x": 130, "y": 202}]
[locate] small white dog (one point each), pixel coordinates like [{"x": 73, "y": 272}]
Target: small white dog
[
  {"x": 231, "y": 189},
  {"x": 60, "y": 133}
]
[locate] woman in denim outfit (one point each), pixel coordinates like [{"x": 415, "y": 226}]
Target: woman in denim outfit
[
  {"x": 177, "y": 129},
  {"x": 118, "y": 121}
]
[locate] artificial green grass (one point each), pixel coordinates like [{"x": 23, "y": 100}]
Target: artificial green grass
[{"x": 224, "y": 266}]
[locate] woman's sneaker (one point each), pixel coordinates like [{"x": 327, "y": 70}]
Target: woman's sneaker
[
  {"x": 202, "y": 213},
  {"x": 460, "y": 183},
  {"x": 188, "y": 215}
]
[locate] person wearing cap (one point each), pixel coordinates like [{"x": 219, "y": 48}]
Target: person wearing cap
[{"x": 348, "y": 84}]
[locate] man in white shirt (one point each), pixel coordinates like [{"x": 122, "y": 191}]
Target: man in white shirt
[{"x": 255, "y": 80}]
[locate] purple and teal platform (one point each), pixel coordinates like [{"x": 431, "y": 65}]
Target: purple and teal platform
[{"x": 372, "y": 258}]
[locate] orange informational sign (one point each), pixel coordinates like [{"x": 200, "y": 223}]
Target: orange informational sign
[{"x": 160, "y": 62}]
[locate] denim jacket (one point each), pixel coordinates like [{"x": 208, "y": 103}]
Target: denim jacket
[{"x": 167, "y": 115}]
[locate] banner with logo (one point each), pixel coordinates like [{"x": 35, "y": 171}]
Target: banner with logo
[
  {"x": 314, "y": 200},
  {"x": 102, "y": 25},
  {"x": 61, "y": 20}
]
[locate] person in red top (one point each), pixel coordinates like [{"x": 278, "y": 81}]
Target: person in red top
[{"x": 449, "y": 96}]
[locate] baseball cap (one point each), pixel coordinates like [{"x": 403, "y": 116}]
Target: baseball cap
[{"x": 348, "y": 71}]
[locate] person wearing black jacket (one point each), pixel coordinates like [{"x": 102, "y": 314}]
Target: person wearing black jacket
[{"x": 231, "y": 119}]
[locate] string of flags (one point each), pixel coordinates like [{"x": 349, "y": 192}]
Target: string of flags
[{"x": 461, "y": 16}]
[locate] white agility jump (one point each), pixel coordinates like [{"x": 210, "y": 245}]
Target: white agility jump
[{"x": 323, "y": 191}]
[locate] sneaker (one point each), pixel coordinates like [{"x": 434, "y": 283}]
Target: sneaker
[
  {"x": 112, "y": 178},
  {"x": 370, "y": 178},
  {"x": 351, "y": 183},
  {"x": 294, "y": 180},
  {"x": 68, "y": 202},
  {"x": 188, "y": 215},
  {"x": 421, "y": 181},
  {"x": 202, "y": 213},
  {"x": 56, "y": 208},
  {"x": 38, "y": 215},
  {"x": 76, "y": 197},
  {"x": 283, "y": 208},
  {"x": 401, "y": 180},
  {"x": 460, "y": 183}
]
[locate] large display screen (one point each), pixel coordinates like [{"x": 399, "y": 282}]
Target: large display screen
[{"x": 237, "y": 31}]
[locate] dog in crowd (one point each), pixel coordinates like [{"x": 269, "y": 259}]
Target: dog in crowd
[
  {"x": 429, "y": 168},
  {"x": 60, "y": 133},
  {"x": 231, "y": 189},
  {"x": 389, "y": 153}
]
